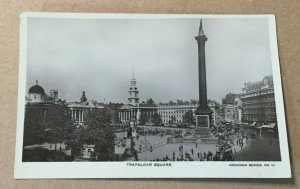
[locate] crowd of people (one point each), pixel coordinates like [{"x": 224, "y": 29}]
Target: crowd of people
[{"x": 222, "y": 154}]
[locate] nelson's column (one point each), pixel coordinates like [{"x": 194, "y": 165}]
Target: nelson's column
[{"x": 203, "y": 112}]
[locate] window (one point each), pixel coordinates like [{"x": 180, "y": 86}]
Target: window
[{"x": 34, "y": 96}]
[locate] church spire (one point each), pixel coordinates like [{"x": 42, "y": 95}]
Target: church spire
[
  {"x": 133, "y": 76},
  {"x": 201, "y": 32},
  {"x": 133, "y": 98}
]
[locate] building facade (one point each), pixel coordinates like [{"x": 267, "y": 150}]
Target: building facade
[
  {"x": 79, "y": 110},
  {"x": 174, "y": 112},
  {"x": 228, "y": 111},
  {"x": 258, "y": 101},
  {"x": 237, "y": 110}
]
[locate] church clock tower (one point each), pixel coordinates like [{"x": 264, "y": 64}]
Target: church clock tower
[{"x": 133, "y": 91}]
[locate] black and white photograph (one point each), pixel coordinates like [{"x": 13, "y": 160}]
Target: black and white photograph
[{"x": 144, "y": 96}]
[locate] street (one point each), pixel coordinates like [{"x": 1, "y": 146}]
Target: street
[{"x": 261, "y": 148}]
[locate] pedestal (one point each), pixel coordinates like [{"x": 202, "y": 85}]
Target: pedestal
[
  {"x": 133, "y": 126},
  {"x": 202, "y": 132},
  {"x": 129, "y": 145}
]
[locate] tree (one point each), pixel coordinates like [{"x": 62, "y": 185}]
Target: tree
[
  {"x": 116, "y": 118},
  {"x": 45, "y": 123},
  {"x": 99, "y": 132},
  {"x": 74, "y": 138},
  {"x": 150, "y": 101},
  {"x": 56, "y": 119},
  {"x": 188, "y": 117},
  {"x": 144, "y": 118},
  {"x": 33, "y": 126},
  {"x": 156, "y": 119}
]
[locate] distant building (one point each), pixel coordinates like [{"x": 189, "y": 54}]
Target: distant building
[
  {"x": 229, "y": 98},
  {"x": 220, "y": 114},
  {"x": 134, "y": 109},
  {"x": 54, "y": 94},
  {"x": 237, "y": 110},
  {"x": 38, "y": 97},
  {"x": 227, "y": 111},
  {"x": 79, "y": 110},
  {"x": 114, "y": 110},
  {"x": 258, "y": 101},
  {"x": 36, "y": 94},
  {"x": 175, "y": 111}
]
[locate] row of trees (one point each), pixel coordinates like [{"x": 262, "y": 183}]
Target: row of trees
[
  {"x": 155, "y": 119},
  {"x": 53, "y": 124}
]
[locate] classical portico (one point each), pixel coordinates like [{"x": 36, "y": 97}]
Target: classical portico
[
  {"x": 78, "y": 114},
  {"x": 128, "y": 112},
  {"x": 79, "y": 110}
]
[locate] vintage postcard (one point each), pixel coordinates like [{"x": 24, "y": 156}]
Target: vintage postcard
[{"x": 150, "y": 96}]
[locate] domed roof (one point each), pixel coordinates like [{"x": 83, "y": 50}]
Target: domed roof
[{"x": 37, "y": 89}]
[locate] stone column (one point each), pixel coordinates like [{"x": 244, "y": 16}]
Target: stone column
[
  {"x": 203, "y": 112},
  {"x": 201, "y": 40},
  {"x": 79, "y": 116}
]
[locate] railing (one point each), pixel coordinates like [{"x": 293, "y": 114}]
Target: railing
[{"x": 153, "y": 146}]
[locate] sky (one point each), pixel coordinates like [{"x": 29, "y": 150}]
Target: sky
[{"x": 98, "y": 55}]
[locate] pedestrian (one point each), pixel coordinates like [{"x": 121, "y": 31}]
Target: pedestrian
[
  {"x": 192, "y": 150},
  {"x": 270, "y": 142},
  {"x": 196, "y": 145},
  {"x": 204, "y": 155},
  {"x": 198, "y": 155}
]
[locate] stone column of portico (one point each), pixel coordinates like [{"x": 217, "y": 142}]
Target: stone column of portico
[
  {"x": 79, "y": 115},
  {"x": 75, "y": 115}
]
